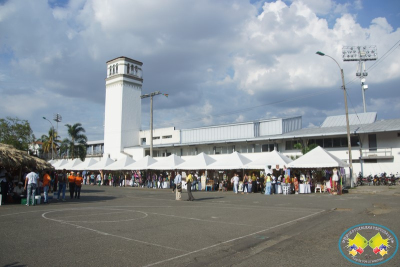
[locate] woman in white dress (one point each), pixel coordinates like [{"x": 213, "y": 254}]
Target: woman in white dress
[{"x": 203, "y": 181}]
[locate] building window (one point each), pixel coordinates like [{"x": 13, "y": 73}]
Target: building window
[
  {"x": 127, "y": 69},
  {"x": 156, "y": 138},
  {"x": 110, "y": 71},
  {"x": 116, "y": 68},
  {"x": 131, "y": 68},
  {"x": 290, "y": 145},
  {"x": 113, "y": 69},
  {"x": 167, "y": 136}
]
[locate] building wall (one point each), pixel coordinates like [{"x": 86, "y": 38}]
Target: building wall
[{"x": 160, "y": 136}]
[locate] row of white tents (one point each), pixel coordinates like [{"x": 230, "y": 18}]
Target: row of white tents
[{"x": 317, "y": 158}]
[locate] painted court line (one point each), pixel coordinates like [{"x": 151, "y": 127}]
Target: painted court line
[
  {"x": 112, "y": 235},
  {"x": 231, "y": 240}
]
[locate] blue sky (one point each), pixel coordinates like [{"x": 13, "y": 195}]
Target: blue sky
[{"x": 219, "y": 61}]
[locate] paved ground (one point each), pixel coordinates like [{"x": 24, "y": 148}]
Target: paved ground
[{"x": 147, "y": 227}]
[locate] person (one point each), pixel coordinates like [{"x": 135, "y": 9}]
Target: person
[
  {"x": 62, "y": 183},
  {"x": 178, "y": 183},
  {"x": 245, "y": 183},
  {"x": 160, "y": 181},
  {"x": 262, "y": 182},
  {"x": 273, "y": 183},
  {"x": 268, "y": 184},
  {"x": 99, "y": 179},
  {"x": 3, "y": 181},
  {"x": 189, "y": 180},
  {"x": 18, "y": 192},
  {"x": 296, "y": 185},
  {"x": 31, "y": 183},
  {"x": 46, "y": 186},
  {"x": 71, "y": 181},
  {"x": 254, "y": 183},
  {"x": 92, "y": 178},
  {"x": 335, "y": 179},
  {"x": 78, "y": 185},
  {"x": 235, "y": 180},
  {"x": 203, "y": 181}
]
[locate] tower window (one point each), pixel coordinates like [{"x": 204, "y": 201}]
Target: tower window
[
  {"x": 110, "y": 71},
  {"x": 117, "y": 68},
  {"x": 127, "y": 69},
  {"x": 113, "y": 69},
  {"x": 131, "y": 68}
]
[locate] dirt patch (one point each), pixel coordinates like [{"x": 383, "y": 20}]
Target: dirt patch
[{"x": 378, "y": 209}]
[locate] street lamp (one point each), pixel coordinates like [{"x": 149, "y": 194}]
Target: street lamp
[
  {"x": 347, "y": 117},
  {"x": 52, "y": 136},
  {"x": 151, "y": 116}
]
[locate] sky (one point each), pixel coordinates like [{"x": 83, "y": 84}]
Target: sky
[{"x": 220, "y": 61}]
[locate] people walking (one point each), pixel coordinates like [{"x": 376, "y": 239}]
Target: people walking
[
  {"x": 254, "y": 183},
  {"x": 78, "y": 185},
  {"x": 71, "y": 183},
  {"x": 189, "y": 181},
  {"x": 62, "y": 183},
  {"x": 235, "y": 180},
  {"x": 31, "y": 183},
  {"x": 268, "y": 184},
  {"x": 46, "y": 186},
  {"x": 178, "y": 183}
]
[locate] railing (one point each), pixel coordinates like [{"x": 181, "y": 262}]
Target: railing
[{"x": 381, "y": 152}]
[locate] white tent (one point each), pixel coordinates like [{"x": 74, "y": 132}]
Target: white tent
[
  {"x": 198, "y": 162},
  {"x": 71, "y": 164},
  {"x": 59, "y": 163},
  {"x": 85, "y": 164},
  {"x": 230, "y": 162},
  {"x": 142, "y": 164},
  {"x": 272, "y": 158},
  {"x": 120, "y": 164},
  {"x": 317, "y": 158},
  {"x": 101, "y": 165},
  {"x": 169, "y": 163}
]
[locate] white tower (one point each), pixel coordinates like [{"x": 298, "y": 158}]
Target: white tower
[{"x": 123, "y": 105}]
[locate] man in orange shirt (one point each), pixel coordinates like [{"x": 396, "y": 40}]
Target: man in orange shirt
[
  {"x": 78, "y": 184},
  {"x": 71, "y": 181},
  {"x": 46, "y": 186}
]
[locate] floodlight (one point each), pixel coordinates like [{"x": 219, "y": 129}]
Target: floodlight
[{"x": 359, "y": 53}]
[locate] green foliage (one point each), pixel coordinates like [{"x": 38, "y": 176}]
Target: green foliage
[
  {"x": 305, "y": 149},
  {"x": 16, "y": 132},
  {"x": 50, "y": 139},
  {"x": 77, "y": 141}
]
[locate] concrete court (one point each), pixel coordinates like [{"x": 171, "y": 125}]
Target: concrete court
[{"x": 147, "y": 227}]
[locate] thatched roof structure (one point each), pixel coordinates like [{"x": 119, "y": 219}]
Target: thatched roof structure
[{"x": 11, "y": 158}]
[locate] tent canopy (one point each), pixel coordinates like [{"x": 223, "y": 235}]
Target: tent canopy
[
  {"x": 230, "y": 162},
  {"x": 71, "y": 164},
  {"x": 198, "y": 162},
  {"x": 317, "y": 158},
  {"x": 142, "y": 164},
  {"x": 272, "y": 158},
  {"x": 85, "y": 164},
  {"x": 169, "y": 163},
  {"x": 120, "y": 164},
  {"x": 101, "y": 165}
]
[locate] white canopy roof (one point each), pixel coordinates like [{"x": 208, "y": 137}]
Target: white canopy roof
[
  {"x": 57, "y": 164},
  {"x": 317, "y": 158},
  {"x": 272, "y": 158},
  {"x": 229, "y": 162},
  {"x": 101, "y": 165},
  {"x": 169, "y": 163},
  {"x": 71, "y": 164},
  {"x": 142, "y": 164},
  {"x": 120, "y": 164},
  {"x": 88, "y": 162},
  {"x": 198, "y": 162}
]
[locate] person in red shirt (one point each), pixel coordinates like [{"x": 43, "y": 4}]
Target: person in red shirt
[
  {"x": 71, "y": 181},
  {"x": 46, "y": 186},
  {"x": 78, "y": 184}
]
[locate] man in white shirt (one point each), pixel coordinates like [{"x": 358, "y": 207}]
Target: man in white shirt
[
  {"x": 235, "y": 183},
  {"x": 31, "y": 183},
  {"x": 178, "y": 182}
]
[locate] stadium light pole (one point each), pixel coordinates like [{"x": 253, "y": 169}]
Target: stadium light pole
[
  {"x": 52, "y": 136},
  {"x": 347, "y": 117},
  {"x": 151, "y": 116}
]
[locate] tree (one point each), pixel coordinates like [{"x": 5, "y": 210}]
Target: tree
[
  {"x": 16, "y": 132},
  {"x": 306, "y": 148},
  {"x": 77, "y": 141},
  {"x": 50, "y": 139}
]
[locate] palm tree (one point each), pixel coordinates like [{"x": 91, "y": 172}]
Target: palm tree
[
  {"x": 49, "y": 140},
  {"x": 77, "y": 141},
  {"x": 305, "y": 149}
]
